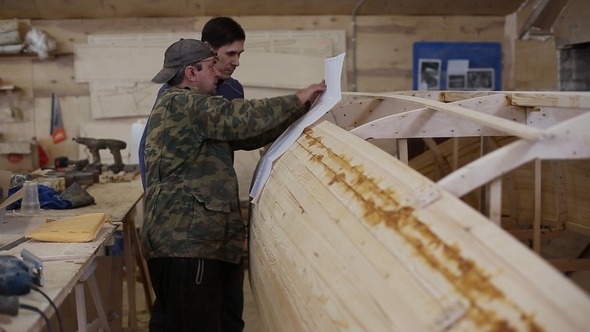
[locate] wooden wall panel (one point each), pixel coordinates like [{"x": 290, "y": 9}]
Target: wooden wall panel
[
  {"x": 536, "y": 64},
  {"x": 384, "y": 49},
  {"x": 75, "y": 113},
  {"x": 56, "y": 9},
  {"x": 384, "y": 43},
  {"x": 573, "y": 27},
  {"x": 57, "y": 75},
  {"x": 75, "y": 31},
  {"x": 17, "y": 72},
  {"x": 103, "y": 62},
  {"x": 384, "y": 53}
]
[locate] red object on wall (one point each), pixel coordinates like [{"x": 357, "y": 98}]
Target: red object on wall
[
  {"x": 15, "y": 158},
  {"x": 43, "y": 158}
]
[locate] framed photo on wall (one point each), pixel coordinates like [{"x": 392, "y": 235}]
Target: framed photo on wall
[
  {"x": 457, "y": 58},
  {"x": 429, "y": 74},
  {"x": 480, "y": 79},
  {"x": 456, "y": 81}
]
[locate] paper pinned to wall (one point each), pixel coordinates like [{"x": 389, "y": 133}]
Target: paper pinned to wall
[{"x": 332, "y": 95}]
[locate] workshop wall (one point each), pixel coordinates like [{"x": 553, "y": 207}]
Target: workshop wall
[{"x": 383, "y": 53}]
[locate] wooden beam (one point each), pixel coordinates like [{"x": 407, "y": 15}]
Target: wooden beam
[
  {"x": 439, "y": 158},
  {"x": 576, "y": 264},
  {"x": 425, "y": 122},
  {"x": 495, "y": 199},
  {"x": 578, "y": 228},
  {"x": 402, "y": 147},
  {"x": 358, "y": 112},
  {"x": 560, "y": 192},
  {"x": 537, "y": 208},
  {"x": 509, "y": 53},
  {"x": 565, "y": 99},
  {"x": 551, "y": 99},
  {"x": 570, "y": 141},
  {"x": 510, "y": 127},
  {"x": 543, "y": 17},
  {"x": 527, "y": 234}
]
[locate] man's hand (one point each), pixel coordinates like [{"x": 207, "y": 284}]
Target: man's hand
[{"x": 311, "y": 93}]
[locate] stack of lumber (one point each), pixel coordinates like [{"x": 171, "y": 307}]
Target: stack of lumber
[{"x": 10, "y": 40}]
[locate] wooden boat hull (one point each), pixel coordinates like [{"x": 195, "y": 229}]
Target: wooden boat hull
[{"x": 347, "y": 238}]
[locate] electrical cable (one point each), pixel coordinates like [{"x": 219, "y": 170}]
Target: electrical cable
[
  {"x": 30, "y": 307},
  {"x": 35, "y": 288}
]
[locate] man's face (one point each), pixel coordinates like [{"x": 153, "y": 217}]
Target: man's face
[
  {"x": 229, "y": 58},
  {"x": 208, "y": 76}
]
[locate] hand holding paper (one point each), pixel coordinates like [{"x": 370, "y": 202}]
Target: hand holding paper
[{"x": 325, "y": 102}]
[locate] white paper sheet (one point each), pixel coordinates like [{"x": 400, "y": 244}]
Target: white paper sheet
[
  {"x": 457, "y": 66},
  {"x": 325, "y": 102}
]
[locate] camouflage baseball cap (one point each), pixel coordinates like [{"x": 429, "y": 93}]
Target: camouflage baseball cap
[{"x": 182, "y": 52}]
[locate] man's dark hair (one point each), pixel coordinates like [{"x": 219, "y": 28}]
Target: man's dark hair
[{"x": 222, "y": 30}]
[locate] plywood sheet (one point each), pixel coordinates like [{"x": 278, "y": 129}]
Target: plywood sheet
[
  {"x": 116, "y": 64},
  {"x": 122, "y": 99}
]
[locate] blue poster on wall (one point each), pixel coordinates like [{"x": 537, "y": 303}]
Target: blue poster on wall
[{"x": 457, "y": 66}]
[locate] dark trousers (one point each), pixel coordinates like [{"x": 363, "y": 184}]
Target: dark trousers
[{"x": 194, "y": 294}]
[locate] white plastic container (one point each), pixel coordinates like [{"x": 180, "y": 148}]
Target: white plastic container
[{"x": 136, "y": 132}]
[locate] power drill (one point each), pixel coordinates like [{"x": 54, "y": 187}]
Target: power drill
[
  {"x": 16, "y": 278},
  {"x": 95, "y": 145}
]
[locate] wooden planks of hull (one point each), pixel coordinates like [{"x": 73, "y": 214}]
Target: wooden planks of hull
[{"x": 347, "y": 238}]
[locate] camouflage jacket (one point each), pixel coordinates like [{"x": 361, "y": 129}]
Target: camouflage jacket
[{"x": 192, "y": 206}]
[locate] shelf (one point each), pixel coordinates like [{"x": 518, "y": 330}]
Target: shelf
[
  {"x": 10, "y": 56},
  {"x": 7, "y": 87}
]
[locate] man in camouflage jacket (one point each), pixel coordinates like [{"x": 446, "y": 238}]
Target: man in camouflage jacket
[{"x": 193, "y": 226}]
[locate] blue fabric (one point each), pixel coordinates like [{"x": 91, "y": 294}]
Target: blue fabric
[
  {"x": 230, "y": 89},
  {"x": 48, "y": 199}
]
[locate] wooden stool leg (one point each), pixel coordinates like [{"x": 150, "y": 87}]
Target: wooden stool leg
[
  {"x": 144, "y": 273},
  {"x": 81, "y": 300},
  {"x": 81, "y": 307},
  {"x": 128, "y": 229},
  {"x": 93, "y": 285}
]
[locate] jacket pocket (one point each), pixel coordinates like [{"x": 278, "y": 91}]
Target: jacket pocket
[{"x": 209, "y": 219}]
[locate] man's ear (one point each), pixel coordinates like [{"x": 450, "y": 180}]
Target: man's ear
[{"x": 190, "y": 73}]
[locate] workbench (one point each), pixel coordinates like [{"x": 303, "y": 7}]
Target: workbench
[{"x": 66, "y": 266}]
